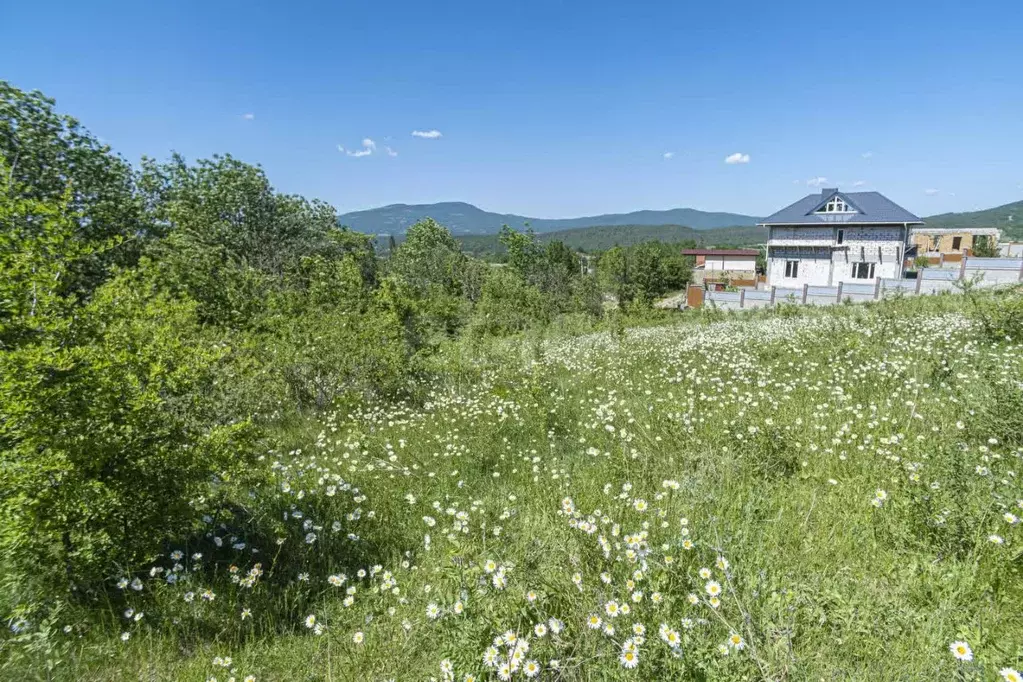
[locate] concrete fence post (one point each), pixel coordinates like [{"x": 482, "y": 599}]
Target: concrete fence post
[
  {"x": 805, "y": 287},
  {"x": 774, "y": 288},
  {"x": 742, "y": 298},
  {"x": 962, "y": 269},
  {"x": 839, "y": 298},
  {"x": 941, "y": 259},
  {"x": 919, "y": 281},
  {"x": 877, "y": 289},
  {"x": 1021, "y": 270}
]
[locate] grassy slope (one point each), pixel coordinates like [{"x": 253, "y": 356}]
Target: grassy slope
[{"x": 778, "y": 443}]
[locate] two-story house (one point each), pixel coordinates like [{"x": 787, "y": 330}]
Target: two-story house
[{"x": 834, "y": 236}]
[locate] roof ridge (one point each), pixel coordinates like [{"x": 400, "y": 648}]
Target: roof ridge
[{"x": 874, "y": 209}]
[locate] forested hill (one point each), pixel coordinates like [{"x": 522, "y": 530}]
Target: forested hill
[
  {"x": 1007, "y": 218},
  {"x": 603, "y": 237},
  {"x": 464, "y": 219}
]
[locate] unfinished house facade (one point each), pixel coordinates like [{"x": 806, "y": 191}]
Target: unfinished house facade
[
  {"x": 832, "y": 237},
  {"x": 932, "y": 242}
]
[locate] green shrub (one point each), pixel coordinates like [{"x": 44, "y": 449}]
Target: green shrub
[
  {"x": 999, "y": 313},
  {"x": 312, "y": 360},
  {"x": 108, "y": 437},
  {"x": 509, "y": 305},
  {"x": 108, "y": 426}
]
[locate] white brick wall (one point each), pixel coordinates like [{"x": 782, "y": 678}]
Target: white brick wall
[
  {"x": 883, "y": 245},
  {"x": 801, "y": 235},
  {"x": 811, "y": 271}
]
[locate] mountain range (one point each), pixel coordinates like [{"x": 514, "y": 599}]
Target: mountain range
[{"x": 464, "y": 219}]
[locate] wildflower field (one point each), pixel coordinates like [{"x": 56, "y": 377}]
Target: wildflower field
[{"x": 826, "y": 495}]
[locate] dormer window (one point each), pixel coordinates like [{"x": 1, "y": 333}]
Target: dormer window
[{"x": 836, "y": 204}]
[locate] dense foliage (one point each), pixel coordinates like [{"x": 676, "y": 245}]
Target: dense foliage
[
  {"x": 157, "y": 322},
  {"x": 604, "y": 237}
]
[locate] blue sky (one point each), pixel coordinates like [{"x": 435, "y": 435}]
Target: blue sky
[{"x": 548, "y": 108}]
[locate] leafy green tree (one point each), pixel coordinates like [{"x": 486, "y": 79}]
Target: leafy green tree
[
  {"x": 586, "y": 296},
  {"x": 524, "y": 253},
  {"x": 643, "y": 272},
  {"x": 474, "y": 277},
  {"x": 228, "y": 205},
  {"x": 549, "y": 268},
  {"x": 676, "y": 269},
  {"x": 558, "y": 268},
  {"x": 647, "y": 275},
  {"x": 430, "y": 262},
  {"x": 561, "y": 258},
  {"x": 429, "y": 257},
  {"x": 50, "y": 158},
  {"x": 38, "y": 250},
  {"x": 231, "y": 238},
  {"x": 613, "y": 274}
]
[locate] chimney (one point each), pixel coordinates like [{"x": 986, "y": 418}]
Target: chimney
[{"x": 825, "y": 193}]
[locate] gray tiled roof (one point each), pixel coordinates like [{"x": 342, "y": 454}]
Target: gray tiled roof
[{"x": 872, "y": 207}]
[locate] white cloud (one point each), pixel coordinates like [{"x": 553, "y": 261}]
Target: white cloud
[
  {"x": 737, "y": 157},
  {"x": 248, "y": 117},
  {"x": 427, "y": 134},
  {"x": 390, "y": 152},
  {"x": 668, "y": 155},
  {"x": 368, "y": 146},
  {"x": 817, "y": 182},
  {"x": 859, "y": 183},
  {"x": 930, "y": 192},
  {"x": 867, "y": 155}
]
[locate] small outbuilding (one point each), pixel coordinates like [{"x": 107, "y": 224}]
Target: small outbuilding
[{"x": 737, "y": 267}]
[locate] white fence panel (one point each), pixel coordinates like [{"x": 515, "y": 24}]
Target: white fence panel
[
  {"x": 981, "y": 271},
  {"x": 946, "y": 275},
  {"x": 974, "y": 263}
]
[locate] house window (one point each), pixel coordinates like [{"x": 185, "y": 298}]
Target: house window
[
  {"x": 792, "y": 268},
  {"x": 836, "y": 204},
  {"x": 863, "y": 270},
  {"x": 934, "y": 243},
  {"x": 957, "y": 243},
  {"x": 841, "y": 236}
]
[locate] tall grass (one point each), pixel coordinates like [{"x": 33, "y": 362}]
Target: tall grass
[{"x": 786, "y": 496}]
